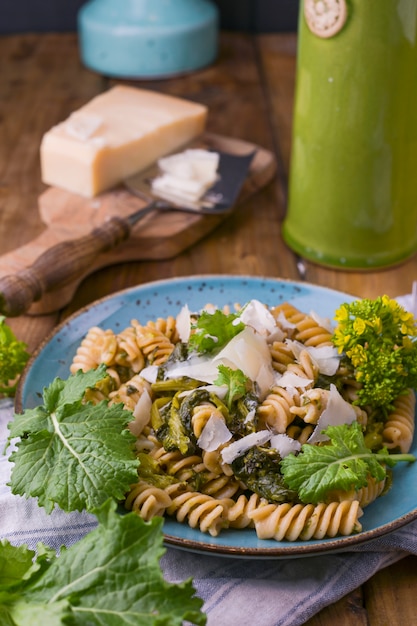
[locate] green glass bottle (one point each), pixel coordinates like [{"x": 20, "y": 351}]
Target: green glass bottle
[{"x": 353, "y": 175}]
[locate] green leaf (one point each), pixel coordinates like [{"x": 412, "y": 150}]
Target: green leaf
[
  {"x": 214, "y": 330},
  {"x": 13, "y": 358},
  {"x": 345, "y": 463},
  {"x": 15, "y": 563},
  {"x": 56, "y": 397},
  {"x": 73, "y": 455},
  {"x": 56, "y": 614},
  {"x": 63, "y": 392},
  {"x": 237, "y": 382},
  {"x": 111, "y": 577}
]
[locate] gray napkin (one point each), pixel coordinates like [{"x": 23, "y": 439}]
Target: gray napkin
[{"x": 287, "y": 591}]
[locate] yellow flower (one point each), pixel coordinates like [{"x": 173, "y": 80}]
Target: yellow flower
[
  {"x": 359, "y": 326},
  {"x": 342, "y": 314},
  {"x": 358, "y": 356}
]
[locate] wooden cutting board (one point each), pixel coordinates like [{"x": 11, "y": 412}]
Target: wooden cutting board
[{"x": 157, "y": 236}]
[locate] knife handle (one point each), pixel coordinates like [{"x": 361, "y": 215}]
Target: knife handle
[{"x": 58, "y": 266}]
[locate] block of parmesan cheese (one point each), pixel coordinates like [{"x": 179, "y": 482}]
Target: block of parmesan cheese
[{"x": 115, "y": 135}]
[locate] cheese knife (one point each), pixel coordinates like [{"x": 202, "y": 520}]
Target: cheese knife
[{"x": 65, "y": 261}]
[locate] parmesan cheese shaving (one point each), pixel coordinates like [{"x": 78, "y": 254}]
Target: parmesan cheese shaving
[
  {"x": 323, "y": 322},
  {"x": 337, "y": 412},
  {"x": 247, "y": 351},
  {"x": 150, "y": 373},
  {"x": 186, "y": 176},
  {"x": 239, "y": 447},
  {"x": 214, "y": 434},
  {"x": 289, "y": 380},
  {"x": 256, "y": 315},
  {"x": 183, "y": 324},
  {"x": 326, "y": 358},
  {"x": 284, "y": 444},
  {"x": 141, "y": 414}
]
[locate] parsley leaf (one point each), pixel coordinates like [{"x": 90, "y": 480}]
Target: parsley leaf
[
  {"x": 72, "y": 453},
  {"x": 110, "y": 577},
  {"x": 214, "y": 330},
  {"x": 345, "y": 463},
  {"x": 237, "y": 382}
]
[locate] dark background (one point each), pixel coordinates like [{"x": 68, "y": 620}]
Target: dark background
[{"x": 19, "y": 16}]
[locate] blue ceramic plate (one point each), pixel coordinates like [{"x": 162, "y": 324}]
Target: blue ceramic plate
[{"x": 162, "y": 298}]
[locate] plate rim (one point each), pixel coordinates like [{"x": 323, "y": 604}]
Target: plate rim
[{"x": 288, "y": 550}]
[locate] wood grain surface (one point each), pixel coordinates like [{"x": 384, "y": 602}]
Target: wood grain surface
[{"x": 249, "y": 92}]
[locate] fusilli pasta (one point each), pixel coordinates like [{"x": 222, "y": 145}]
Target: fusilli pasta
[{"x": 198, "y": 483}]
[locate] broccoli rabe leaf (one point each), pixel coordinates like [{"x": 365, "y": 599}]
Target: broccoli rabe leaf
[
  {"x": 13, "y": 358},
  {"x": 112, "y": 576},
  {"x": 72, "y": 453},
  {"x": 343, "y": 464},
  {"x": 212, "y": 331},
  {"x": 258, "y": 469}
]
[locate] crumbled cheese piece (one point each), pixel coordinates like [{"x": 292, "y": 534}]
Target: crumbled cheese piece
[
  {"x": 289, "y": 380},
  {"x": 186, "y": 176},
  {"x": 183, "y": 324},
  {"x": 327, "y": 358},
  {"x": 256, "y": 315},
  {"x": 323, "y": 322},
  {"x": 337, "y": 412},
  {"x": 150, "y": 373},
  {"x": 214, "y": 434},
  {"x": 284, "y": 323},
  {"x": 239, "y": 447},
  {"x": 284, "y": 444},
  {"x": 141, "y": 414}
]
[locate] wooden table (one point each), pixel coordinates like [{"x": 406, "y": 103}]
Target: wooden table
[{"x": 249, "y": 92}]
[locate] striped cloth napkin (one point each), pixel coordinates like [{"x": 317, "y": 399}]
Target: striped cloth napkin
[{"x": 281, "y": 592}]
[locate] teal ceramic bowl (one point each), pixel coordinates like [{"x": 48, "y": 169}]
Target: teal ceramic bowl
[{"x": 147, "y": 38}]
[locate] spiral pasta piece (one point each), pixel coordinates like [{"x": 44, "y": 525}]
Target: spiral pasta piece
[
  {"x": 399, "y": 427},
  {"x": 282, "y": 356},
  {"x": 199, "y": 511},
  {"x": 128, "y": 353},
  {"x": 167, "y": 326},
  {"x": 155, "y": 345},
  {"x": 306, "y": 521},
  {"x": 175, "y": 464},
  {"x": 129, "y": 393},
  {"x": 201, "y": 415},
  {"x": 305, "y": 366},
  {"x": 275, "y": 409},
  {"x": 307, "y": 330},
  {"x": 221, "y": 486},
  {"x": 147, "y": 500},
  {"x": 98, "y": 346},
  {"x": 238, "y": 513},
  {"x": 214, "y": 463},
  {"x": 364, "y": 495},
  {"x": 312, "y": 404},
  {"x": 300, "y": 433}
]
